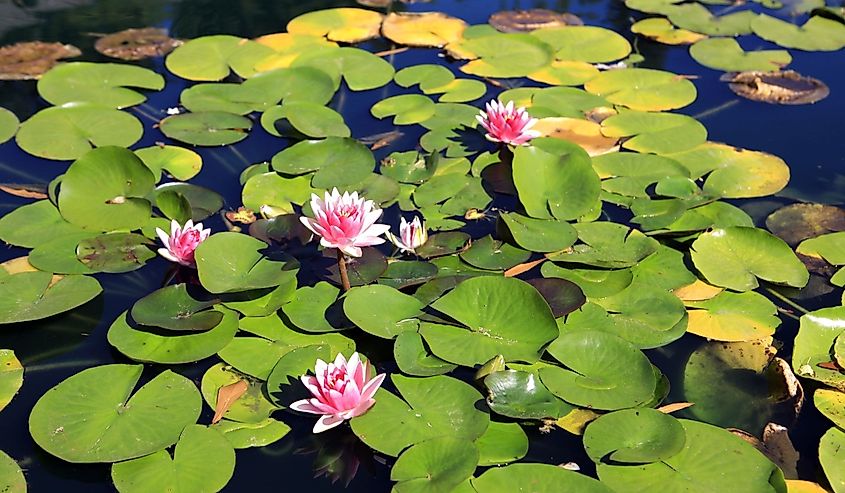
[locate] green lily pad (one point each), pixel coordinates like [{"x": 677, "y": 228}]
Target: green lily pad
[
  {"x": 148, "y": 345},
  {"x": 180, "y": 163},
  {"x": 731, "y": 465},
  {"x": 106, "y": 84},
  {"x": 75, "y": 128},
  {"x": 115, "y": 252},
  {"x": 261, "y": 302},
  {"x": 290, "y": 368},
  {"x": 609, "y": 245},
  {"x": 35, "y": 295},
  {"x": 831, "y": 455},
  {"x": 584, "y": 43},
  {"x": 247, "y": 435},
  {"x": 34, "y": 224},
  {"x": 278, "y": 192},
  {"x": 539, "y": 235},
  {"x": 289, "y": 85},
  {"x": 817, "y": 334},
  {"x": 634, "y": 436},
  {"x": 734, "y": 172},
  {"x": 501, "y": 443},
  {"x": 521, "y": 395},
  {"x": 662, "y": 31},
  {"x": 555, "y": 180},
  {"x": 395, "y": 314},
  {"x": 313, "y": 120},
  {"x": 658, "y": 133},
  {"x": 208, "y": 128},
  {"x": 594, "y": 283},
  {"x": 414, "y": 358},
  {"x": 360, "y": 69},
  {"x": 82, "y": 420},
  {"x": 434, "y": 466},
  {"x": 735, "y": 257},
  {"x": 437, "y": 79},
  {"x": 205, "y": 58},
  {"x": 257, "y": 356},
  {"x": 441, "y": 244},
  {"x": 434, "y": 407},
  {"x": 827, "y": 247},
  {"x": 733, "y": 317},
  {"x": 251, "y": 407},
  {"x": 203, "y": 460},
  {"x": 643, "y": 89},
  {"x": 607, "y": 372},
  {"x": 174, "y": 206},
  {"x": 8, "y": 125},
  {"x": 12, "y": 479},
  {"x": 817, "y": 34},
  {"x": 239, "y": 99},
  {"x": 535, "y": 478},
  {"x": 339, "y": 161},
  {"x": 696, "y": 17},
  {"x": 487, "y": 253},
  {"x": 726, "y": 54},
  {"x": 410, "y": 166},
  {"x": 502, "y": 316},
  {"x": 202, "y": 201},
  {"x": 104, "y": 189},
  {"x": 229, "y": 262},
  {"x": 405, "y": 108},
  {"x": 404, "y": 273},
  {"x": 173, "y": 307},
  {"x": 348, "y": 25},
  {"x": 11, "y": 377},
  {"x": 309, "y": 308},
  {"x": 506, "y": 55}
]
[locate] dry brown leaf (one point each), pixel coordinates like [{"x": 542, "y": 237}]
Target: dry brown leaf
[
  {"x": 25, "y": 191},
  {"x": 675, "y": 406},
  {"x": 519, "y": 269},
  {"x": 512, "y": 21},
  {"x": 29, "y": 60},
  {"x": 783, "y": 87},
  {"x": 781, "y": 450},
  {"x": 137, "y": 44},
  {"x": 226, "y": 396}
]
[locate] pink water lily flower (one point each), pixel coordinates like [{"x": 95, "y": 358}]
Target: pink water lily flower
[
  {"x": 341, "y": 390},
  {"x": 346, "y": 222},
  {"x": 506, "y": 124},
  {"x": 411, "y": 235},
  {"x": 179, "y": 246}
]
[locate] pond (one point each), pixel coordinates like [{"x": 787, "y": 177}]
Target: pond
[{"x": 608, "y": 297}]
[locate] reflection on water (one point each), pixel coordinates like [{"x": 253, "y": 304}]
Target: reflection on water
[{"x": 806, "y": 137}]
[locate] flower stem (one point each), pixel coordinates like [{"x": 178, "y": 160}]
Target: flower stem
[{"x": 341, "y": 264}]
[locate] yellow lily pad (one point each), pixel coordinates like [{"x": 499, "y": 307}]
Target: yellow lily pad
[
  {"x": 565, "y": 73},
  {"x": 423, "y": 29},
  {"x": 733, "y": 317},
  {"x": 587, "y": 134},
  {"x": 346, "y": 25},
  {"x": 697, "y": 291},
  {"x": 662, "y": 31},
  {"x": 287, "y": 47}
]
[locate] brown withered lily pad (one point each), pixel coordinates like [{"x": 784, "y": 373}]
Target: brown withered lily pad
[
  {"x": 29, "y": 60},
  {"x": 137, "y": 44},
  {"x": 797, "y": 222},
  {"x": 782, "y": 87},
  {"x": 511, "y": 21}
]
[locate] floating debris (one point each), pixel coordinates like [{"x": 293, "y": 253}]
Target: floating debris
[
  {"x": 137, "y": 44},
  {"x": 512, "y": 21},
  {"x": 29, "y": 60},
  {"x": 783, "y": 87}
]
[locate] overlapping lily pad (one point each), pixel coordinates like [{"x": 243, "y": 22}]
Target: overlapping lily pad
[
  {"x": 434, "y": 407},
  {"x": 726, "y": 54},
  {"x": 101, "y": 83},
  {"x": 11, "y": 376},
  {"x": 8, "y": 125},
  {"x": 348, "y": 25},
  {"x": 817, "y": 34},
  {"x": 229, "y": 262},
  {"x": 643, "y": 89},
  {"x": 585, "y": 43}
]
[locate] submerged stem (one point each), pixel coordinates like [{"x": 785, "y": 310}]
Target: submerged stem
[
  {"x": 341, "y": 264},
  {"x": 787, "y": 300}
]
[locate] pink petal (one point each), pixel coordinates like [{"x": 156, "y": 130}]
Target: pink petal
[{"x": 327, "y": 422}]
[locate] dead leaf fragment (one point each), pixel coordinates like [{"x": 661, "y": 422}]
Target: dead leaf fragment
[
  {"x": 674, "y": 407},
  {"x": 226, "y": 396},
  {"x": 512, "y": 21},
  {"x": 27, "y": 191},
  {"x": 137, "y": 44},
  {"x": 519, "y": 269},
  {"x": 29, "y": 60}
]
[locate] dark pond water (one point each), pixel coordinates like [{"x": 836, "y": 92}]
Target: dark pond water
[{"x": 808, "y": 138}]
